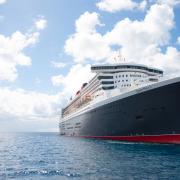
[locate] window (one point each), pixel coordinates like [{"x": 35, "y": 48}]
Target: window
[
  {"x": 107, "y": 82},
  {"x": 107, "y": 88},
  {"x": 153, "y": 79},
  {"x": 105, "y": 77}
]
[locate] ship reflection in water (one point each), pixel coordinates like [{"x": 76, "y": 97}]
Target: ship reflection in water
[{"x": 50, "y": 156}]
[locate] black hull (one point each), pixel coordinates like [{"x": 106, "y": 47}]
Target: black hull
[{"x": 153, "y": 112}]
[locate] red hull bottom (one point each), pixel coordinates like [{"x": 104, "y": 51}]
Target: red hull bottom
[{"x": 166, "y": 139}]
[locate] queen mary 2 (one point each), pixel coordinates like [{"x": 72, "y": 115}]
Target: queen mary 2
[{"x": 125, "y": 102}]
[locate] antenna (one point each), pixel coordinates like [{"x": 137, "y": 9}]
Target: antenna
[{"x": 119, "y": 58}]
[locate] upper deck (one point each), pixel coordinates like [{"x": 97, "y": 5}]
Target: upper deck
[
  {"x": 111, "y": 68},
  {"x": 109, "y": 78}
]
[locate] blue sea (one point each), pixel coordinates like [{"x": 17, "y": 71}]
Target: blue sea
[{"x": 50, "y": 156}]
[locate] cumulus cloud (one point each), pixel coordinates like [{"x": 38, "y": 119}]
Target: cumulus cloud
[
  {"x": 113, "y": 6},
  {"x": 73, "y": 81},
  {"x": 26, "y": 103},
  {"x": 19, "y": 106},
  {"x": 57, "y": 80},
  {"x": 24, "y": 110},
  {"x": 170, "y": 61},
  {"x": 41, "y": 23},
  {"x": 58, "y": 64},
  {"x": 116, "y": 5},
  {"x": 2, "y": 1},
  {"x": 12, "y": 53},
  {"x": 139, "y": 41},
  {"x": 178, "y": 40},
  {"x": 154, "y": 29},
  {"x": 143, "y": 5},
  {"x": 86, "y": 42},
  {"x": 169, "y": 2}
]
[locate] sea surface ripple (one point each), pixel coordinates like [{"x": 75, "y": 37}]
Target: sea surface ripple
[{"x": 50, "y": 156}]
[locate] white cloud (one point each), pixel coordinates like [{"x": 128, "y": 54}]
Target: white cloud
[
  {"x": 22, "y": 110},
  {"x": 169, "y": 2},
  {"x": 58, "y": 64},
  {"x": 25, "y": 103},
  {"x": 113, "y": 6},
  {"x": 12, "y": 53},
  {"x": 29, "y": 108},
  {"x": 154, "y": 29},
  {"x": 2, "y": 1},
  {"x": 178, "y": 40},
  {"x": 19, "y": 105},
  {"x": 119, "y": 5},
  {"x": 73, "y": 81},
  {"x": 138, "y": 41},
  {"x": 143, "y": 5},
  {"x": 87, "y": 23},
  {"x": 86, "y": 43},
  {"x": 57, "y": 80},
  {"x": 170, "y": 61},
  {"x": 116, "y": 5},
  {"x": 41, "y": 23},
  {"x": 133, "y": 36},
  {"x": 141, "y": 41}
]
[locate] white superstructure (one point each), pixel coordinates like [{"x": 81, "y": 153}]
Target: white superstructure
[{"x": 111, "y": 80}]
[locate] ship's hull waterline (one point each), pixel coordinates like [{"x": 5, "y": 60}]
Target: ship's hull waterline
[{"x": 152, "y": 115}]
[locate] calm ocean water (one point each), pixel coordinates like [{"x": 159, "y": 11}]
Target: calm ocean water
[{"x": 49, "y": 156}]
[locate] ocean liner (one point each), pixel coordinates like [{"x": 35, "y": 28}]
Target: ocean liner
[{"x": 126, "y": 102}]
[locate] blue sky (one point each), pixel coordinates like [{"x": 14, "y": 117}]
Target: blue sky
[
  {"x": 60, "y": 16},
  {"x": 19, "y": 15},
  {"x": 60, "y": 39}
]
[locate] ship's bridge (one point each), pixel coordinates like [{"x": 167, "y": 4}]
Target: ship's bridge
[
  {"x": 124, "y": 76},
  {"x": 112, "y": 68}
]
